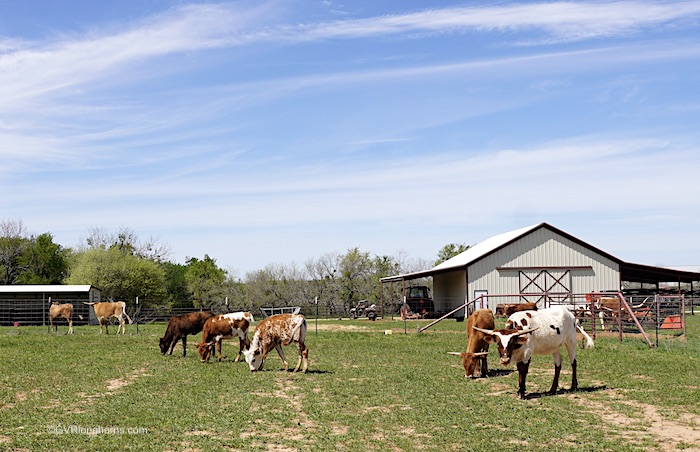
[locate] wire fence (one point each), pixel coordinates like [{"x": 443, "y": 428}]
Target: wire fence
[{"x": 639, "y": 313}]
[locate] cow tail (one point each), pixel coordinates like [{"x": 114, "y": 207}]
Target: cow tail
[
  {"x": 589, "y": 341},
  {"x": 127, "y": 315},
  {"x": 299, "y": 331}
]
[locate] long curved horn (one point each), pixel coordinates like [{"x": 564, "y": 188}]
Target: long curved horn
[
  {"x": 481, "y": 354},
  {"x": 520, "y": 333},
  {"x": 454, "y": 353},
  {"x": 489, "y": 332}
]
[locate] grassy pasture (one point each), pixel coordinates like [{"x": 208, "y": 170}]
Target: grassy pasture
[{"x": 365, "y": 391}]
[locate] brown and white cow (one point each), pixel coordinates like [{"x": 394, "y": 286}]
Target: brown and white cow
[
  {"x": 612, "y": 307},
  {"x": 477, "y": 345},
  {"x": 105, "y": 310},
  {"x": 541, "y": 332},
  {"x": 274, "y": 332},
  {"x": 57, "y": 310},
  {"x": 224, "y": 326},
  {"x": 179, "y": 327},
  {"x": 519, "y": 307}
]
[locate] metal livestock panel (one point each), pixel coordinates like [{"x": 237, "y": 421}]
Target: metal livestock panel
[{"x": 542, "y": 253}]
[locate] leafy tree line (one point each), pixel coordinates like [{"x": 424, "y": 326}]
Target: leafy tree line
[{"x": 124, "y": 266}]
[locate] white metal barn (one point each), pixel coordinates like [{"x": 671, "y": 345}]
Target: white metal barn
[{"x": 536, "y": 260}]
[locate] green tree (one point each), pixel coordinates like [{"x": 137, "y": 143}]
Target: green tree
[
  {"x": 356, "y": 277},
  {"x": 119, "y": 275},
  {"x": 13, "y": 243},
  {"x": 205, "y": 280},
  {"x": 449, "y": 251},
  {"x": 178, "y": 293},
  {"x": 43, "y": 262}
]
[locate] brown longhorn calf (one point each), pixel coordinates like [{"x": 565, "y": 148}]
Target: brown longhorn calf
[
  {"x": 224, "y": 326},
  {"x": 477, "y": 345},
  {"x": 179, "y": 327}
]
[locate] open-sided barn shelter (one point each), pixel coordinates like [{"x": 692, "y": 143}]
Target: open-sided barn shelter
[
  {"x": 29, "y": 304},
  {"x": 534, "y": 263}
]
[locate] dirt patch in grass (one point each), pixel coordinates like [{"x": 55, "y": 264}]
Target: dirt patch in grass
[
  {"x": 118, "y": 383},
  {"x": 305, "y": 426},
  {"x": 345, "y": 328},
  {"x": 112, "y": 386},
  {"x": 683, "y": 432}
]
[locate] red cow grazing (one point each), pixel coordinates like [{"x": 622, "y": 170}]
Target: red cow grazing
[
  {"x": 224, "y": 326},
  {"x": 477, "y": 345},
  {"x": 274, "y": 332},
  {"x": 179, "y": 327},
  {"x": 61, "y": 310},
  {"x": 519, "y": 307},
  {"x": 542, "y": 332},
  {"x": 105, "y": 310}
]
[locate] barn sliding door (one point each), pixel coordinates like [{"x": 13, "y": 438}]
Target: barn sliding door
[{"x": 544, "y": 286}]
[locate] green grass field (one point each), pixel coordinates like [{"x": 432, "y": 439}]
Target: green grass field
[{"x": 365, "y": 390}]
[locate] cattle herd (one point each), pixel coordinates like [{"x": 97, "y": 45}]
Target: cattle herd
[
  {"x": 272, "y": 333},
  {"x": 528, "y": 331}
]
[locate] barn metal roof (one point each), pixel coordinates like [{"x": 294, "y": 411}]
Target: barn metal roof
[
  {"x": 628, "y": 271},
  {"x": 45, "y": 288}
]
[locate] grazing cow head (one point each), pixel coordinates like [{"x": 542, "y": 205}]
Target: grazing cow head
[
  {"x": 205, "y": 349},
  {"x": 471, "y": 361},
  {"x": 508, "y": 341},
  {"x": 254, "y": 358},
  {"x": 163, "y": 346}
]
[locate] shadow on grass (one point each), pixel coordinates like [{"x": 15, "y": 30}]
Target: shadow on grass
[
  {"x": 587, "y": 389},
  {"x": 499, "y": 372},
  {"x": 309, "y": 371}
]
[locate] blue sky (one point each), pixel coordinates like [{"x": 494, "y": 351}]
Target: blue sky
[{"x": 264, "y": 132}]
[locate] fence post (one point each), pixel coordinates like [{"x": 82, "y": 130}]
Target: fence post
[
  {"x": 136, "y": 315},
  {"x": 316, "y": 301}
]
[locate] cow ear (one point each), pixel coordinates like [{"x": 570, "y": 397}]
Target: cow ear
[
  {"x": 489, "y": 339},
  {"x": 522, "y": 339}
]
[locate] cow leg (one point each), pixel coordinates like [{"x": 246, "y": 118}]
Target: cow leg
[
  {"x": 70, "y": 326},
  {"x": 485, "y": 363},
  {"x": 121, "y": 326},
  {"x": 522, "y": 375},
  {"x": 278, "y": 347},
  {"x": 184, "y": 347},
  {"x": 107, "y": 329},
  {"x": 557, "y": 370},
  {"x": 602, "y": 320},
  {"x": 171, "y": 346},
  {"x": 303, "y": 355},
  {"x": 574, "y": 381},
  {"x": 218, "y": 348},
  {"x": 571, "y": 350},
  {"x": 51, "y": 328},
  {"x": 241, "y": 346}
]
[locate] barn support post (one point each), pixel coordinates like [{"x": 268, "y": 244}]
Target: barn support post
[
  {"x": 683, "y": 312},
  {"x": 619, "y": 319},
  {"x": 46, "y": 308},
  {"x": 658, "y": 319},
  {"x": 381, "y": 297}
]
